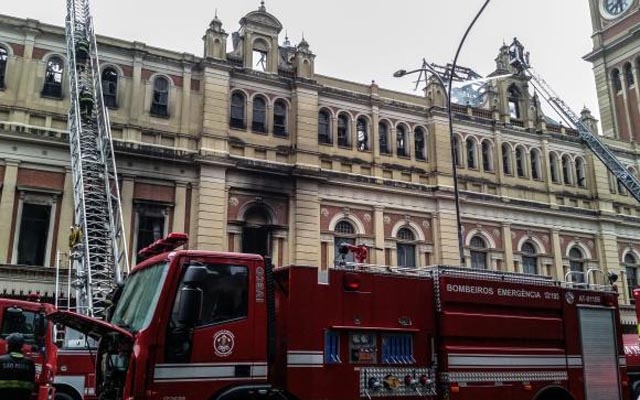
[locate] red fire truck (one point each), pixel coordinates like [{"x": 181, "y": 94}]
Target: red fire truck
[
  {"x": 211, "y": 325},
  {"x": 62, "y": 372}
]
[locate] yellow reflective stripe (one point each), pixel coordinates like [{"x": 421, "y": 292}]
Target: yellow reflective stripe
[{"x": 14, "y": 384}]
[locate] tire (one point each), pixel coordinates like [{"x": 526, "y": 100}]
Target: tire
[{"x": 63, "y": 396}]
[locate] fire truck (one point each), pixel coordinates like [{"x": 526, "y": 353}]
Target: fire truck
[
  {"x": 195, "y": 324},
  {"x": 63, "y": 371}
]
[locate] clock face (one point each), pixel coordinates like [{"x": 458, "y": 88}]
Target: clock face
[{"x": 613, "y": 8}]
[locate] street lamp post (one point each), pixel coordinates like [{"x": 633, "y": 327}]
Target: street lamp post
[{"x": 454, "y": 166}]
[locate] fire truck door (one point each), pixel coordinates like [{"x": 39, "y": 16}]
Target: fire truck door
[{"x": 599, "y": 353}]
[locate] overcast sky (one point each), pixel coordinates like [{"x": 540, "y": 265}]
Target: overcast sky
[{"x": 368, "y": 40}]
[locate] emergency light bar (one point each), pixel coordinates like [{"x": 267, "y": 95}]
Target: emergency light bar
[{"x": 171, "y": 242}]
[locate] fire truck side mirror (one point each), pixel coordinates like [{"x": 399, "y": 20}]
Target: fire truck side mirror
[
  {"x": 190, "y": 305},
  {"x": 191, "y": 295}
]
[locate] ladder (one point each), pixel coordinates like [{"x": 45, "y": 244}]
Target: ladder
[
  {"x": 97, "y": 241},
  {"x": 519, "y": 60}
]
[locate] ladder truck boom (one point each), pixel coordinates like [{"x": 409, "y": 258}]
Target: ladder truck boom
[
  {"x": 97, "y": 241},
  {"x": 519, "y": 60}
]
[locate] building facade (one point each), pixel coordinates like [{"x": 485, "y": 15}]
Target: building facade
[{"x": 247, "y": 148}]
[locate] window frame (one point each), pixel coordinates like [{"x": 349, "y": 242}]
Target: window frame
[
  {"x": 259, "y": 115},
  {"x": 4, "y": 62},
  {"x": 110, "y": 93},
  {"x": 324, "y": 127},
  {"x": 280, "y": 118},
  {"x": 52, "y": 87},
  {"x": 160, "y": 97},
  {"x": 344, "y": 130},
  {"x": 238, "y": 110},
  {"x": 477, "y": 253}
]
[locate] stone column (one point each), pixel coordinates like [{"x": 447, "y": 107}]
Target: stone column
[
  {"x": 378, "y": 229},
  {"x": 180, "y": 207},
  {"x": 307, "y": 224},
  {"x": 6, "y": 207},
  {"x": 508, "y": 248},
  {"x": 126, "y": 199},
  {"x": 66, "y": 212},
  {"x": 211, "y": 232},
  {"x": 557, "y": 254}
]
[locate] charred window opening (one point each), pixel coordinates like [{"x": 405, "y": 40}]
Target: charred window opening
[
  {"x": 457, "y": 152},
  {"x": 151, "y": 223},
  {"x": 520, "y": 162},
  {"x": 576, "y": 265},
  {"x": 259, "y": 122},
  {"x": 506, "y": 159},
  {"x": 383, "y": 132},
  {"x": 615, "y": 80},
  {"x": 324, "y": 127},
  {"x": 553, "y": 165},
  {"x": 160, "y": 100},
  {"x": 631, "y": 270},
  {"x": 401, "y": 142},
  {"x": 53, "y": 78},
  {"x": 514, "y": 97},
  {"x": 535, "y": 165},
  {"x": 34, "y": 234},
  {"x": 581, "y": 173},
  {"x": 363, "y": 134},
  {"x": 420, "y": 144},
  {"x": 628, "y": 75},
  {"x": 259, "y": 60},
  {"x": 471, "y": 153},
  {"x": 237, "y": 110},
  {"x": 566, "y": 170},
  {"x": 4, "y": 55},
  {"x": 487, "y": 156},
  {"x": 110, "y": 87},
  {"x": 343, "y": 131},
  {"x": 280, "y": 118}
]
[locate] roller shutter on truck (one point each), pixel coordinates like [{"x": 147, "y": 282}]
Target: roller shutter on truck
[{"x": 600, "y": 354}]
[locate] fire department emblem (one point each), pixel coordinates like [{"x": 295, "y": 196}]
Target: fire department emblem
[
  {"x": 569, "y": 297},
  {"x": 223, "y": 342}
]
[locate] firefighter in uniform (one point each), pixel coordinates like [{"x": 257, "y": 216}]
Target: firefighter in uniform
[
  {"x": 17, "y": 372},
  {"x": 86, "y": 102}
]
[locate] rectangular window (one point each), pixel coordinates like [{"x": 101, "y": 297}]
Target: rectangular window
[
  {"x": 34, "y": 233},
  {"x": 529, "y": 265},
  {"x": 632, "y": 282},
  {"x": 406, "y": 255},
  {"x": 478, "y": 260},
  {"x": 363, "y": 348},
  {"x": 339, "y": 257},
  {"x": 397, "y": 349},
  {"x": 151, "y": 225},
  {"x": 332, "y": 348}
]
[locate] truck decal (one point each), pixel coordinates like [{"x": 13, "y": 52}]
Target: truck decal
[
  {"x": 223, "y": 343},
  {"x": 206, "y": 371}
]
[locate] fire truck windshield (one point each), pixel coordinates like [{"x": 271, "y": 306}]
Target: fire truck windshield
[
  {"x": 139, "y": 297},
  {"x": 17, "y": 320}
]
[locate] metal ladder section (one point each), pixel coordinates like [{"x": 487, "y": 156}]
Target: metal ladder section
[
  {"x": 100, "y": 253},
  {"x": 628, "y": 179}
]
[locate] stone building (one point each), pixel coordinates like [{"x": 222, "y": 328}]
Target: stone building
[{"x": 247, "y": 148}]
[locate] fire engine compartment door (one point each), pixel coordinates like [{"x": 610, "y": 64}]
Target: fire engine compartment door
[{"x": 599, "y": 353}]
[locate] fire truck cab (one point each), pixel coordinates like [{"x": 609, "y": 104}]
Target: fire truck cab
[{"x": 211, "y": 325}]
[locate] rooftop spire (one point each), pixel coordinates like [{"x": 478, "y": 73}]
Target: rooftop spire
[{"x": 262, "y": 7}]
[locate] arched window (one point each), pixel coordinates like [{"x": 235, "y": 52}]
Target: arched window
[
  {"x": 420, "y": 144},
  {"x": 324, "y": 127},
  {"x": 363, "y": 134},
  {"x": 487, "y": 156},
  {"x": 344, "y": 123},
  {"x": 4, "y": 56},
  {"x": 280, "y": 118},
  {"x": 506, "y": 159},
  {"x": 457, "y": 152},
  {"x": 566, "y": 170},
  {"x": 160, "y": 101},
  {"x": 628, "y": 75},
  {"x": 581, "y": 173},
  {"x": 576, "y": 264},
  {"x": 529, "y": 259},
  {"x": 401, "y": 141},
  {"x": 383, "y": 132},
  {"x": 238, "y": 103},
  {"x": 406, "y": 248},
  {"x": 344, "y": 232},
  {"x": 536, "y": 170},
  {"x": 471, "y": 153},
  {"x": 110, "y": 87},
  {"x": 615, "y": 80},
  {"x": 520, "y": 162},
  {"x": 53, "y": 78},
  {"x": 553, "y": 166},
  {"x": 631, "y": 270},
  {"x": 478, "y": 250},
  {"x": 259, "y": 122}
]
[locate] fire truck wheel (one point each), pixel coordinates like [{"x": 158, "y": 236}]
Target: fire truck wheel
[{"x": 63, "y": 396}]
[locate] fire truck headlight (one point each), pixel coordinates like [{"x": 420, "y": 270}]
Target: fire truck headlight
[
  {"x": 410, "y": 380},
  {"x": 374, "y": 383}
]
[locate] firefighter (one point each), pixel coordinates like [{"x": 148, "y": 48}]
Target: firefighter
[
  {"x": 82, "y": 51},
  {"x": 17, "y": 372},
  {"x": 86, "y": 102}
]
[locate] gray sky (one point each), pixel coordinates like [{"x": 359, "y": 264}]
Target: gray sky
[{"x": 368, "y": 40}]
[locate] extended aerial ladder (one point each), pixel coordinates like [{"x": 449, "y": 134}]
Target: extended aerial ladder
[
  {"x": 97, "y": 241},
  {"x": 520, "y": 60}
]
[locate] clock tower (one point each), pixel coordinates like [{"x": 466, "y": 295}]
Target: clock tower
[{"x": 616, "y": 65}]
